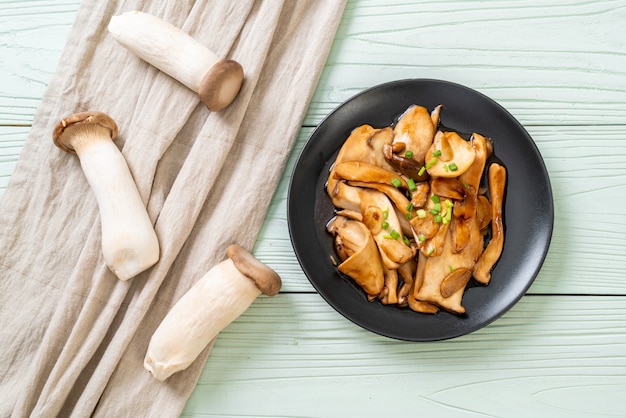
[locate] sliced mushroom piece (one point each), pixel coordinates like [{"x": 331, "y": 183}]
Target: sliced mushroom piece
[
  {"x": 424, "y": 228},
  {"x": 364, "y": 144},
  {"x": 437, "y": 269},
  {"x": 466, "y": 207},
  {"x": 434, "y": 115},
  {"x": 415, "y": 129},
  {"x": 345, "y": 197},
  {"x": 407, "y": 166},
  {"x": 218, "y": 298},
  {"x": 389, "y": 295},
  {"x": 161, "y": 44},
  {"x": 357, "y": 146},
  {"x": 461, "y": 233},
  {"x": 420, "y": 194},
  {"x": 350, "y": 214},
  {"x": 407, "y": 274},
  {"x": 364, "y": 264},
  {"x": 433, "y": 247},
  {"x": 368, "y": 173},
  {"x": 450, "y": 188},
  {"x": 129, "y": 243},
  {"x": 394, "y": 252},
  {"x": 401, "y": 204},
  {"x": 483, "y": 211},
  {"x": 455, "y": 157},
  {"x": 474, "y": 173},
  {"x": 378, "y": 142},
  {"x": 397, "y": 197},
  {"x": 415, "y": 304},
  {"x": 455, "y": 281},
  {"x": 489, "y": 257}
]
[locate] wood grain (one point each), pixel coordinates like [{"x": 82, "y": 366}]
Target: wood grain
[
  {"x": 32, "y": 36},
  {"x": 293, "y": 356},
  {"x": 559, "y": 66},
  {"x": 552, "y": 62},
  {"x": 548, "y": 62}
]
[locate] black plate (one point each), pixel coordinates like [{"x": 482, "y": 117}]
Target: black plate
[{"x": 528, "y": 209}]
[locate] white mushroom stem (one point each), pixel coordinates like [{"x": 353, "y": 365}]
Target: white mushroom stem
[
  {"x": 129, "y": 243},
  {"x": 166, "y": 47},
  {"x": 216, "y": 300}
]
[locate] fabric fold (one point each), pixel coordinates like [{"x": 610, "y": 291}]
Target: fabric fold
[{"x": 80, "y": 351}]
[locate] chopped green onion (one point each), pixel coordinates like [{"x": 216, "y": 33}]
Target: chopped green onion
[
  {"x": 438, "y": 218},
  {"x": 385, "y": 225},
  {"x": 409, "y": 207},
  {"x": 406, "y": 241},
  {"x": 437, "y": 153},
  {"x": 449, "y": 215},
  {"x": 444, "y": 221},
  {"x": 435, "y": 198},
  {"x": 421, "y": 237},
  {"x": 431, "y": 163},
  {"x": 411, "y": 184},
  {"x": 445, "y": 168},
  {"x": 394, "y": 234},
  {"x": 408, "y": 154},
  {"x": 387, "y": 236},
  {"x": 385, "y": 213},
  {"x": 421, "y": 213},
  {"x": 430, "y": 252},
  {"x": 421, "y": 172},
  {"x": 396, "y": 182},
  {"x": 451, "y": 268},
  {"x": 408, "y": 215},
  {"x": 437, "y": 207},
  {"x": 453, "y": 167},
  {"x": 449, "y": 203},
  {"x": 434, "y": 212}
]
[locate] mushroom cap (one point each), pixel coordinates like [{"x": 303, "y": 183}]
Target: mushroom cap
[
  {"x": 81, "y": 119},
  {"x": 221, "y": 84},
  {"x": 265, "y": 279}
]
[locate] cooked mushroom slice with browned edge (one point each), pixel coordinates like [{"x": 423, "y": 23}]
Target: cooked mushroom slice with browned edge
[
  {"x": 219, "y": 297},
  {"x": 443, "y": 284},
  {"x": 367, "y": 173},
  {"x": 489, "y": 257},
  {"x": 360, "y": 258},
  {"x": 415, "y": 304},
  {"x": 414, "y": 134},
  {"x": 449, "y": 155},
  {"x": 387, "y": 232},
  {"x": 407, "y": 276},
  {"x": 161, "y": 44},
  {"x": 470, "y": 180},
  {"x": 129, "y": 243}
]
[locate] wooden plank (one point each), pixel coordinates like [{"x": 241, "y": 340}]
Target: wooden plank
[
  {"x": 545, "y": 357},
  {"x": 32, "y": 37},
  {"x": 11, "y": 143},
  {"x": 548, "y": 62}
]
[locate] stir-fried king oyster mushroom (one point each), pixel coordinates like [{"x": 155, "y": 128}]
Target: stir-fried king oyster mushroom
[
  {"x": 415, "y": 194},
  {"x": 218, "y": 298},
  {"x": 217, "y": 81},
  {"x": 129, "y": 243},
  {"x": 358, "y": 253}
]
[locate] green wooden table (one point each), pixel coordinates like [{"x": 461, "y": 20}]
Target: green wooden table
[{"x": 559, "y": 66}]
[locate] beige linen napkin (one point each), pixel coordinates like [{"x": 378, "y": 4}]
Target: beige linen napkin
[{"x": 73, "y": 336}]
